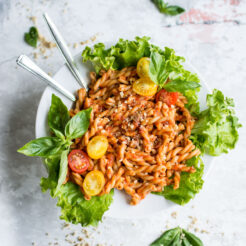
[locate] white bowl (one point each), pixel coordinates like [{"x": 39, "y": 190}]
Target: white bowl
[{"x": 120, "y": 208}]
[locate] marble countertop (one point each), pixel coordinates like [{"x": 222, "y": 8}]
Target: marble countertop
[{"x": 211, "y": 34}]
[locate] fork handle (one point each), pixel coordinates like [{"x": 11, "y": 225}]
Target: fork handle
[{"x": 30, "y": 66}]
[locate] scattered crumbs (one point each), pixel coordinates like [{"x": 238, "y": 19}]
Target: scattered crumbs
[
  {"x": 33, "y": 19},
  {"x": 204, "y": 231},
  {"x": 73, "y": 233},
  {"x": 196, "y": 229},
  {"x": 45, "y": 43},
  {"x": 33, "y": 243},
  {"x": 174, "y": 215},
  {"x": 91, "y": 39},
  {"x": 50, "y": 243},
  {"x": 167, "y": 226},
  {"x": 49, "y": 73},
  {"x": 192, "y": 206},
  {"x": 46, "y": 233},
  {"x": 45, "y": 57},
  {"x": 65, "y": 224},
  {"x": 75, "y": 45},
  {"x": 79, "y": 238},
  {"x": 35, "y": 55},
  {"x": 56, "y": 243}
]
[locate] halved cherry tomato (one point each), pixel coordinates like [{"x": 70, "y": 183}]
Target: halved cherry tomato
[
  {"x": 145, "y": 87},
  {"x": 97, "y": 147},
  {"x": 143, "y": 67},
  {"x": 93, "y": 183},
  {"x": 170, "y": 98},
  {"x": 78, "y": 161}
]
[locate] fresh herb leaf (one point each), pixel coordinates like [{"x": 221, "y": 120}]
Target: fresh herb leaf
[
  {"x": 74, "y": 208},
  {"x": 31, "y": 37},
  {"x": 157, "y": 69},
  {"x": 181, "y": 86},
  {"x": 178, "y": 237},
  {"x": 190, "y": 184},
  {"x": 58, "y": 134},
  {"x": 78, "y": 125},
  {"x": 43, "y": 147},
  {"x": 167, "y": 238},
  {"x": 216, "y": 130},
  {"x": 62, "y": 170},
  {"x": 191, "y": 238},
  {"x": 58, "y": 115},
  {"x": 168, "y": 9}
]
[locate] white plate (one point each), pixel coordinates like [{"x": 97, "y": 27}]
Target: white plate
[{"x": 120, "y": 208}]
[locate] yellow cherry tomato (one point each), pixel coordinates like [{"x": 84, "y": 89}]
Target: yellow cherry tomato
[
  {"x": 93, "y": 183},
  {"x": 145, "y": 87},
  {"x": 143, "y": 67},
  {"x": 97, "y": 147}
]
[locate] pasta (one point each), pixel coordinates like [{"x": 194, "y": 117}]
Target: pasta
[{"x": 148, "y": 141}]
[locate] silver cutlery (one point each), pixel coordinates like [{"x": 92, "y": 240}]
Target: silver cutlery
[{"x": 29, "y": 65}]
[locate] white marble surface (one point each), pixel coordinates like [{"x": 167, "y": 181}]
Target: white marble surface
[{"x": 212, "y": 35}]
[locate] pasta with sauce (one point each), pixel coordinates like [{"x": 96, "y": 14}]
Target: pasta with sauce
[{"x": 148, "y": 140}]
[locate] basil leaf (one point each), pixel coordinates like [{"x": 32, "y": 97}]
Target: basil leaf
[
  {"x": 167, "y": 238},
  {"x": 192, "y": 239},
  {"x": 58, "y": 134},
  {"x": 157, "y": 69},
  {"x": 181, "y": 86},
  {"x": 43, "y": 147},
  {"x": 31, "y": 37},
  {"x": 185, "y": 242},
  {"x": 62, "y": 170},
  {"x": 58, "y": 115},
  {"x": 168, "y": 9},
  {"x": 78, "y": 125},
  {"x": 177, "y": 237}
]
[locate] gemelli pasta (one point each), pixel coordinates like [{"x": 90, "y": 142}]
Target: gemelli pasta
[{"x": 148, "y": 140}]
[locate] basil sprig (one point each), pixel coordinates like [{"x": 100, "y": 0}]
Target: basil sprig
[
  {"x": 178, "y": 237},
  {"x": 31, "y": 37},
  {"x": 159, "y": 72},
  {"x": 65, "y": 129},
  {"x": 168, "y": 9}
]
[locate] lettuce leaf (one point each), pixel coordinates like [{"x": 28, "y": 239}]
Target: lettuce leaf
[
  {"x": 216, "y": 130},
  {"x": 190, "y": 184},
  {"x": 125, "y": 53},
  {"x": 74, "y": 208}
]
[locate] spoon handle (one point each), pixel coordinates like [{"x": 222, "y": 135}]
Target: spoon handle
[
  {"x": 30, "y": 66},
  {"x": 61, "y": 44}
]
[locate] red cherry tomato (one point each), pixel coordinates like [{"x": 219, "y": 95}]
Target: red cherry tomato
[
  {"x": 78, "y": 161},
  {"x": 170, "y": 98}
]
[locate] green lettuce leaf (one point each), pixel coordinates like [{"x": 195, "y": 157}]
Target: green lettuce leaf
[
  {"x": 190, "y": 184},
  {"x": 124, "y": 53},
  {"x": 216, "y": 130},
  {"x": 74, "y": 208}
]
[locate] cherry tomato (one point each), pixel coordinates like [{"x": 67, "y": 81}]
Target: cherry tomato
[
  {"x": 143, "y": 67},
  {"x": 97, "y": 147},
  {"x": 78, "y": 161},
  {"x": 170, "y": 98},
  {"x": 93, "y": 183},
  {"x": 144, "y": 87}
]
